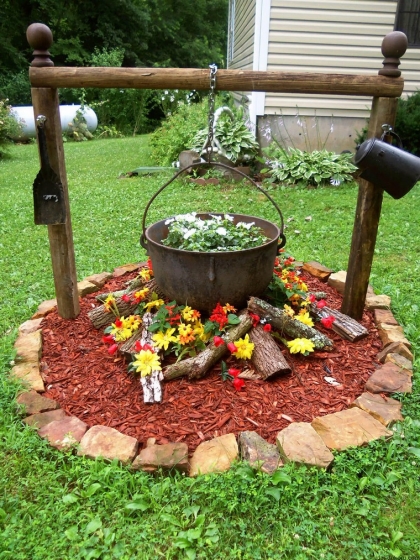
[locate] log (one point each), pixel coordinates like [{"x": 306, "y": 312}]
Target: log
[
  {"x": 286, "y": 324},
  {"x": 267, "y": 357},
  {"x": 227, "y": 80},
  {"x": 152, "y": 389},
  {"x": 198, "y": 366},
  {"x": 127, "y": 349},
  {"x": 134, "y": 286},
  {"x": 343, "y": 325}
]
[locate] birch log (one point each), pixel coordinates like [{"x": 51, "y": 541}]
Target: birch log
[
  {"x": 198, "y": 366},
  {"x": 267, "y": 357},
  {"x": 287, "y": 325},
  {"x": 152, "y": 389}
]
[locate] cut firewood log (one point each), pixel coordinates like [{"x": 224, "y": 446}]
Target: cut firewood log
[
  {"x": 152, "y": 389},
  {"x": 199, "y": 365},
  {"x": 267, "y": 357},
  {"x": 282, "y": 322},
  {"x": 100, "y": 317},
  {"x": 128, "y": 348},
  {"x": 343, "y": 325},
  {"x": 133, "y": 287}
]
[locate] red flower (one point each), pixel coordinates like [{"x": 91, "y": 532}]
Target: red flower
[
  {"x": 148, "y": 347},
  {"x": 112, "y": 349},
  {"x": 328, "y": 321},
  {"x": 267, "y": 327},
  {"x": 218, "y": 341},
  {"x": 238, "y": 383},
  {"x": 108, "y": 339},
  {"x": 276, "y": 262},
  {"x": 234, "y": 372},
  {"x": 255, "y": 319},
  {"x": 126, "y": 298},
  {"x": 149, "y": 264},
  {"x": 312, "y": 298},
  {"x": 118, "y": 322},
  {"x": 232, "y": 348},
  {"x": 175, "y": 319},
  {"x": 321, "y": 303},
  {"x": 138, "y": 346}
]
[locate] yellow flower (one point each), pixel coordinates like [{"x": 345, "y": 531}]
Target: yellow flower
[
  {"x": 186, "y": 334},
  {"x": 154, "y": 303},
  {"x": 109, "y": 303},
  {"x": 189, "y": 314},
  {"x": 141, "y": 295},
  {"x": 133, "y": 322},
  {"x": 121, "y": 330},
  {"x": 304, "y": 318},
  {"x": 300, "y": 345},
  {"x": 229, "y": 308},
  {"x": 303, "y": 286},
  {"x": 199, "y": 331},
  {"x": 146, "y": 362},
  {"x": 288, "y": 310},
  {"x": 244, "y": 348},
  {"x": 146, "y": 274},
  {"x": 162, "y": 340}
]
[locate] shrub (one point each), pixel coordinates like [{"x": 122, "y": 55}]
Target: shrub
[
  {"x": 316, "y": 167},
  {"x": 9, "y": 127}
]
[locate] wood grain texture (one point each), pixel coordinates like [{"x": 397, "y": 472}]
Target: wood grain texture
[
  {"x": 45, "y": 102},
  {"x": 366, "y": 222},
  {"x": 267, "y": 357},
  {"x": 227, "y": 80}
]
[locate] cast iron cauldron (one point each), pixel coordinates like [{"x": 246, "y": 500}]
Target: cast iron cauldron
[
  {"x": 388, "y": 167},
  {"x": 201, "y": 280}
]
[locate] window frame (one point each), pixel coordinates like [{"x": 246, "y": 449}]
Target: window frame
[{"x": 400, "y": 22}]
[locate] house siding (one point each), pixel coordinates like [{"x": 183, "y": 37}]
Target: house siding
[
  {"x": 332, "y": 36},
  {"x": 241, "y": 47}
]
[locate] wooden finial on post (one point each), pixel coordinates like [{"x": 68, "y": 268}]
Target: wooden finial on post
[
  {"x": 393, "y": 47},
  {"x": 40, "y": 38}
]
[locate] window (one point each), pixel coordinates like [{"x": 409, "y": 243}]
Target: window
[{"x": 408, "y": 20}]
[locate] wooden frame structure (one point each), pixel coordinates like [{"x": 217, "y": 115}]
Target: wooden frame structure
[{"x": 385, "y": 88}]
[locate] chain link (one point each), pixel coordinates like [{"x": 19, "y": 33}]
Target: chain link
[{"x": 209, "y": 145}]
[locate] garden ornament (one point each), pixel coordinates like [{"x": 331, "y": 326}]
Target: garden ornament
[{"x": 386, "y": 166}]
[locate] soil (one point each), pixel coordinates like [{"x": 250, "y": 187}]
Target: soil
[{"x": 89, "y": 383}]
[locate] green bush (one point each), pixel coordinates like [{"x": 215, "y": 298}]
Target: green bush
[
  {"x": 177, "y": 132},
  {"x": 9, "y": 127},
  {"x": 407, "y": 124},
  {"x": 317, "y": 167}
]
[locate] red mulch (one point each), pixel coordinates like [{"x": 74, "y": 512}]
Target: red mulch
[{"x": 89, "y": 383}]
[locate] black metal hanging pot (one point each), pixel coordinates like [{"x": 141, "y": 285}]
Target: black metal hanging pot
[
  {"x": 204, "y": 279},
  {"x": 387, "y": 166}
]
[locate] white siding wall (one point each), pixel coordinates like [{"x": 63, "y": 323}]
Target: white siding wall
[
  {"x": 331, "y": 36},
  {"x": 241, "y": 37}
]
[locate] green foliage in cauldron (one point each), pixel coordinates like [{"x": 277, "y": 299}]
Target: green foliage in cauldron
[{"x": 218, "y": 234}]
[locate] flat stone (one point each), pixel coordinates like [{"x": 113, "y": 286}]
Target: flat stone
[
  {"x": 44, "y": 308},
  {"x": 216, "y": 455},
  {"x": 99, "y": 279},
  {"x": 400, "y": 361},
  {"x": 385, "y": 410},
  {"x": 65, "y": 433},
  {"x": 187, "y": 158},
  {"x": 384, "y": 316},
  {"x": 300, "y": 443},
  {"x": 389, "y": 378},
  {"x": 337, "y": 280},
  {"x": 392, "y": 333},
  {"x": 397, "y": 348},
  {"x": 30, "y": 326},
  {"x": 121, "y": 270},
  {"x": 29, "y": 347},
  {"x": 317, "y": 270},
  {"x": 259, "y": 453},
  {"x": 349, "y": 428},
  {"x": 33, "y": 403},
  {"x": 40, "y": 420},
  {"x": 85, "y": 287},
  {"x": 102, "y": 441},
  {"x": 170, "y": 456},
  {"x": 30, "y": 374},
  {"x": 377, "y": 301}
]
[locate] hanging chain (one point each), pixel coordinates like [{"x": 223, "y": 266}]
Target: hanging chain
[{"x": 210, "y": 138}]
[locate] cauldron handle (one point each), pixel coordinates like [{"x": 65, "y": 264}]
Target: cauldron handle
[{"x": 282, "y": 237}]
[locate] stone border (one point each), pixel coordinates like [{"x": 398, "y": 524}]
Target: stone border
[{"x": 306, "y": 443}]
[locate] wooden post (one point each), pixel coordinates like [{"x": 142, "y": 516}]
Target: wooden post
[
  {"x": 45, "y": 102},
  {"x": 369, "y": 200}
]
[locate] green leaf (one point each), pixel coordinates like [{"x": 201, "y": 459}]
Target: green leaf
[
  {"x": 93, "y": 526},
  {"x": 139, "y": 504},
  {"x": 415, "y": 451},
  {"x": 70, "y": 499},
  {"x": 274, "y": 492},
  {"x": 170, "y": 519},
  {"x": 72, "y": 533},
  {"x": 92, "y": 489},
  {"x": 281, "y": 477},
  {"x": 233, "y": 319}
]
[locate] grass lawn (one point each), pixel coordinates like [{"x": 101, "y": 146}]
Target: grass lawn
[{"x": 60, "y": 506}]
